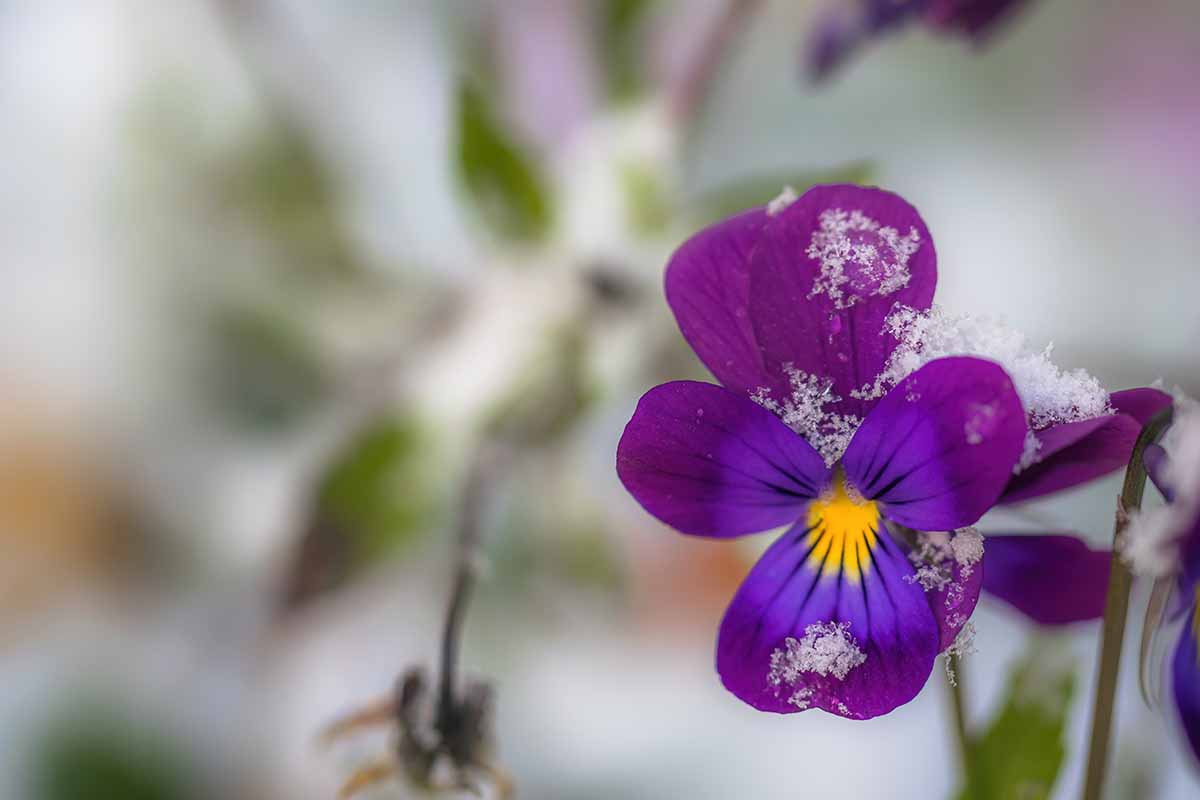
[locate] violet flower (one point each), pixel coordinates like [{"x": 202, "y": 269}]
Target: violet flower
[
  {"x": 839, "y": 418},
  {"x": 844, "y": 27},
  {"x": 1165, "y": 542}
]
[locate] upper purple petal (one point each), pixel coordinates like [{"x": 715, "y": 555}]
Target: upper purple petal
[
  {"x": 886, "y": 617},
  {"x": 708, "y": 288},
  {"x": 1141, "y": 404},
  {"x": 1073, "y": 453},
  {"x": 1185, "y": 674},
  {"x": 939, "y": 448},
  {"x": 710, "y": 462},
  {"x": 1053, "y": 579},
  {"x": 823, "y": 314}
]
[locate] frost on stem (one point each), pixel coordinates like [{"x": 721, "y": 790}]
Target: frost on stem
[
  {"x": 804, "y": 411},
  {"x": 782, "y": 201},
  {"x": 825, "y": 649},
  {"x": 1151, "y": 542},
  {"x": 1050, "y": 395},
  {"x": 859, "y": 257},
  {"x": 964, "y": 645}
]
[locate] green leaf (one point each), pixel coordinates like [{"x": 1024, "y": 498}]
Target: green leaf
[
  {"x": 737, "y": 196},
  {"x": 1021, "y": 753},
  {"x": 504, "y": 183},
  {"x": 378, "y": 491}
]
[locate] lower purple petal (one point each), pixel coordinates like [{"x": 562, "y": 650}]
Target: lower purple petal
[
  {"x": 788, "y": 613},
  {"x": 710, "y": 462},
  {"x": 1053, "y": 579},
  {"x": 1185, "y": 671},
  {"x": 939, "y": 448}
]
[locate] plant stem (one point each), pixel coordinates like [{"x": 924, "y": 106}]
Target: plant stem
[
  {"x": 1115, "y": 611},
  {"x": 692, "y": 92},
  {"x": 959, "y": 704},
  {"x": 466, "y": 569}
]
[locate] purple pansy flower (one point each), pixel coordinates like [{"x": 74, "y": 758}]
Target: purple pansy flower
[
  {"x": 844, "y": 27},
  {"x": 840, "y": 417},
  {"x": 1166, "y": 542}
]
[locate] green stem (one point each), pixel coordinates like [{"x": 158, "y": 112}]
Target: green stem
[
  {"x": 959, "y": 704},
  {"x": 1115, "y": 611}
]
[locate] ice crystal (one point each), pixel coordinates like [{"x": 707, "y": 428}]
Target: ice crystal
[
  {"x": 1050, "y": 395},
  {"x": 782, "y": 201},
  {"x": 825, "y": 649},
  {"x": 858, "y": 254},
  {"x": 963, "y": 645},
  {"x": 805, "y": 412}
]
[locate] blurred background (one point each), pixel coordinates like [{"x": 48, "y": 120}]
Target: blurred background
[{"x": 275, "y": 273}]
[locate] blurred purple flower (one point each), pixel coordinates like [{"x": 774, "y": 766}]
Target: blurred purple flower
[
  {"x": 843, "y": 27},
  {"x": 1165, "y": 542}
]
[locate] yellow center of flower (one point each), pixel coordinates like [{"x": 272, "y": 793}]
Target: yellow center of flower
[{"x": 841, "y": 531}]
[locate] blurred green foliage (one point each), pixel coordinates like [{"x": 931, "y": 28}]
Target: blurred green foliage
[
  {"x": 1021, "y": 753},
  {"x": 264, "y": 372},
  {"x": 503, "y": 181},
  {"x": 550, "y": 396},
  {"x": 737, "y": 196},
  {"x": 650, "y": 205},
  {"x": 379, "y": 491},
  {"x": 621, "y": 46},
  {"x": 99, "y": 753},
  {"x": 278, "y": 183}
]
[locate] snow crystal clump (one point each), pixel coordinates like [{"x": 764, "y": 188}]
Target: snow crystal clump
[
  {"x": 781, "y": 202},
  {"x": 856, "y": 252},
  {"x": 963, "y": 645},
  {"x": 1150, "y": 542},
  {"x": 805, "y": 413},
  {"x": 826, "y": 649},
  {"x": 938, "y": 553},
  {"x": 1050, "y": 395}
]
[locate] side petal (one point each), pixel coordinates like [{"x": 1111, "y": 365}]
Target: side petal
[
  {"x": 799, "y": 635},
  {"x": 708, "y": 288},
  {"x": 940, "y": 447},
  {"x": 1155, "y": 459},
  {"x": 1185, "y": 675},
  {"x": 1053, "y": 579},
  {"x": 710, "y": 462},
  {"x": 1141, "y": 404},
  {"x": 1074, "y": 453},
  {"x": 826, "y": 273}
]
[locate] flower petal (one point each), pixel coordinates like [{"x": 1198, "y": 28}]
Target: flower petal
[
  {"x": 1074, "y": 453},
  {"x": 1155, "y": 459},
  {"x": 1141, "y": 404},
  {"x": 710, "y": 462},
  {"x": 792, "y": 620},
  {"x": 708, "y": 288},
  {"x": 953, "y": 605},
  {"x": 1185, "y": 671},
  {"x": 826, "y": 273},
  {"x": 940, "y": 447},
  {"x": 1053, "y": 579}
]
